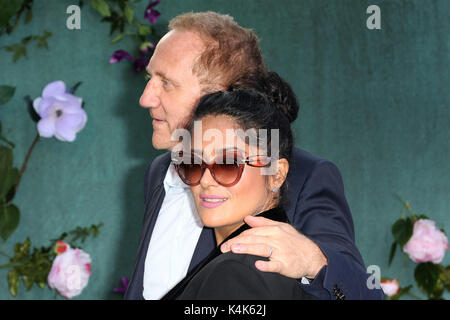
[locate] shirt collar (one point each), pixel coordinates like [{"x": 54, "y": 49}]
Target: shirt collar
[{"x": 173, "y": 180}]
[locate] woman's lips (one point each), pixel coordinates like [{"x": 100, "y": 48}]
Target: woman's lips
[{"x": 211, "y": 201}]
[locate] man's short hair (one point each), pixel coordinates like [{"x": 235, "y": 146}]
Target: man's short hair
[{"x": 232, "y": 53}]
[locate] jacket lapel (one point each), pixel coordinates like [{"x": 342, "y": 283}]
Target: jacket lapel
[
  {"x": 206, "y": 243},
  {"x": 136, "y": 284}
]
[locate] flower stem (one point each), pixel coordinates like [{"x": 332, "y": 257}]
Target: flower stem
[
  {"x": 24, "y": 165},
  {"x": 4, "y": 254},
  {"x": 414, "y": 296},
  {"x": 8, "y": 265}
]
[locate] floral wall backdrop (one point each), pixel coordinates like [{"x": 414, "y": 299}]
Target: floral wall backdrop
[{"x": 375, "y": 102}]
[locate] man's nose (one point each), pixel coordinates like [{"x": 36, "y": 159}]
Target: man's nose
[{"x": 150, "y": 96}]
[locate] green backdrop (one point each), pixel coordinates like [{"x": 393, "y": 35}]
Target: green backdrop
[{"x": 375, "y": 102}]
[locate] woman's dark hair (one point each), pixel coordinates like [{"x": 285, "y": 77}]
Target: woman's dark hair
[{"x": 266, "y": 102}]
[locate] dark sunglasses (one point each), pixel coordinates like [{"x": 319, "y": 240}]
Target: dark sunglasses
[{"x": 226, "y": 172}]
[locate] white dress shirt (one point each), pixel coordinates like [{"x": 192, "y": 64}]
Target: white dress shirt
[{"x": 174, "y": 238}]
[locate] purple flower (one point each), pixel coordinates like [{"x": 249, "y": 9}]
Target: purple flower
[
  {"x": 119, "y": 55},
  {"x": 150, "y": 13},
  {"x": 140, "y": 64},
  {"x": 146, "y": 47},
  {"x": 61, "y": 113},
  {"x": 124, "y": 286}
]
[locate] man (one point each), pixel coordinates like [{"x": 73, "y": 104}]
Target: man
[{"x": 207, "y": 52}]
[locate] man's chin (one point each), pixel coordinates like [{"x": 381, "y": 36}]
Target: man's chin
[{"x": 159, "y": 143}]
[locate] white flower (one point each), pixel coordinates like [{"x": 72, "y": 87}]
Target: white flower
[{"x": 61, "y": 113}]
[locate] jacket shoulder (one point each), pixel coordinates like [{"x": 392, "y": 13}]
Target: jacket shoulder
[
  {"x": 302, "y": 166},
  {"x": 234, "y": 276},
  {"x": 304, "y": 162}
]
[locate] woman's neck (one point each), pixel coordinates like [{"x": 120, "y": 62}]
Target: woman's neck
[{"x": 223, "y": 232}]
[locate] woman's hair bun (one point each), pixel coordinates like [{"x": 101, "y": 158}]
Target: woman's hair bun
[
  {"x": 280, "y": 93},
  {"x": 276, "y": 90}
]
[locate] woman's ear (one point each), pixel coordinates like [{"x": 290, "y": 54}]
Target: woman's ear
[{"x": 279, "y": 177}]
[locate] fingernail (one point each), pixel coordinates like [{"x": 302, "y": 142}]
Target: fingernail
[
  {"x": 260, "y": 265},
  {"x": 224, "y": 247}
]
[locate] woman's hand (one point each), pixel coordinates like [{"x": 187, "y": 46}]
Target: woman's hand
[{"x": 291, "y": 253}]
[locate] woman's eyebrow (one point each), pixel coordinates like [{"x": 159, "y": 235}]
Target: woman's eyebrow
[
  {"x": 196, "y": 152},
  {"x": 218, "y": 152},
  {"x": 234, "y": 149}
]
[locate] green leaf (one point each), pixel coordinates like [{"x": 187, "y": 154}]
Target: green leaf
[
  {"x": 2, "y": 138},
  {"x": 28, "y": 282},
  {"x": 101, "y": 6},
  {"x": 144, "y": 30},
  {"x": 6, "y": 162},
  {"x": 83, "y": 233},
  {"x": 402, "y": 230},
  {"x": 8, "y": 174},
  {"x": 42, "y": 40},
  {"x": 8, "y": 184},
  {"x": 427, "y": 278},
  {"x": 422, "y": 216},
  {"x": 29, "y": 16},
  {"x": 9, "y": 9},
  {"x": 19, "y": 51},
  {"x": 392, "y": 252},
  {"x": 26, "y": 40},
  {"x": 129, "y": 14},
  {"x": 13, "y": 282},
  {"x": 117, "y": 38},
  {"x": 9, "y": 221},
  {"x": 445, "y": 277},
  {"x": 6, "y": 93},
  {"x": 21, "y": 250}
]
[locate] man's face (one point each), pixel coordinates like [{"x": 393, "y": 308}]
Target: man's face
[{"x": 173, "y": 91}]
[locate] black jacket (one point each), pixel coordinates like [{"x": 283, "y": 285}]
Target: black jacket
[
  {"x": 230, "y": 276},
  {"x": 317, "y": 208}
]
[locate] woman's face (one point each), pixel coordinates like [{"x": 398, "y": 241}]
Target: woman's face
[{"x": 226, "y": 207}]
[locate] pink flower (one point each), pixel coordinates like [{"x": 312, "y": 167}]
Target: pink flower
[
  {"x": 427, "y": 244},
  {"x": 390, "y": 287},
  {"x": 70, "y": 272},
  {"x": 60, "y": 247}
]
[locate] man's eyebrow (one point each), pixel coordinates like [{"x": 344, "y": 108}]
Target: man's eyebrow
[{"x": 161, "y": 75}]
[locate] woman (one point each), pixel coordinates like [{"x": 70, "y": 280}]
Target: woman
[{"x": 229, "y": 180}]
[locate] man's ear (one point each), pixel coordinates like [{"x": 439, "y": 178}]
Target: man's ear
[{"x": 280, "y": 176}]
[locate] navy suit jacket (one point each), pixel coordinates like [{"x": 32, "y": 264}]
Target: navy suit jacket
[{"x": 316, "y": 207}]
